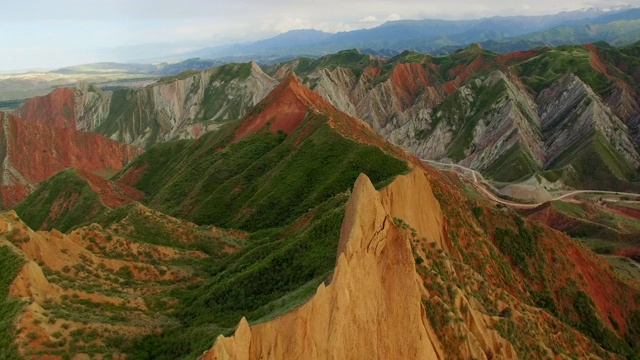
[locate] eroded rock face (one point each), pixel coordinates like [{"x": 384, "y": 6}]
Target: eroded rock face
[
  {"x": 386, "y": 299},
  {"x": 179, "y": 109},
  {"x": 571, "y": 112},
  {"x": 372, "y": 307},
  {"x": 56, "y": 109},
  {"x": 31, "y": 152}
]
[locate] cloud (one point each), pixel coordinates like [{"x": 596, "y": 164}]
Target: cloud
[
  {"x": 368, "y": 19},
  {"x": 392, "y": 17}
]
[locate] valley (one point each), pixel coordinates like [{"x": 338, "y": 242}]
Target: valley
[{"x": 471, "y": 204}]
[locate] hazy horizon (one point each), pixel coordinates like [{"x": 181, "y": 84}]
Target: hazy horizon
[{"x": 48, "y": 35}]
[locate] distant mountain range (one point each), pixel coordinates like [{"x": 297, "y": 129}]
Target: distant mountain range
[{"x": 616, "y": 25}]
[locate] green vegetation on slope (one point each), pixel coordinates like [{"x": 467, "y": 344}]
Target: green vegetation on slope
[
  {"x": 595, "y": 164},
  {"x": 515, "y": 164},
  {"x": 349, "y": 59},
  {"x": 462, "y": 115},
  {"x": 483, "y": 103},
  {"x": 543, "y": 70},
  {"x": 276, "y": 271},
  {"x": 288, "y": 191},
  {"x": 461, "y": 58},
  {"x": 532, "y": 265},
  {"x": 216, "y": 102},
  {"x": 139, "y": 224},
  {"x": 10, "y": 264},
  {"x": 265, "y": 180},
  {"x": 601, "y": 230},
  {"x": 133, "y": 112},
  {"x": 61, "y": 202}
]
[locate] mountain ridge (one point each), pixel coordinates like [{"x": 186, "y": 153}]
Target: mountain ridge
[
  {"x": 427, "y": 35},
  {"x": 480, "y": 280},
  {"x": 473, "y": 107}
]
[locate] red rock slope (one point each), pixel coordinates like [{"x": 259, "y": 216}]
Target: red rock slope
[
  {"x": 32, "y": 152},
  {"x": 289, "y": 104},
  {"x": 55, "y": 109}
]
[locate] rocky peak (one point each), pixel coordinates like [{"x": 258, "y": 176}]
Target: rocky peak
[
  {"x": 287, "y": 105},
  {"x": 356, "y": 316},
  {"x": 283, "y": 109}
]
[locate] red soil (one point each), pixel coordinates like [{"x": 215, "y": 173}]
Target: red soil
[
  {"x": 548, "y": 215},
  {"x": 288, "y": 104},
  {"x": 56, "y": 109},
  {"x": 595, "y": 61},
  {"x": 625, "y": 211},
  {"x": 371, "y": 71},
  {"x": 628, "y": 251},
  {"x": 37, "y": 152},
  {"x": 409, "y": 80},
  {"x": 12, "y": 194},
  {"x": 518, "y": 55},
  {"x": 598, "y": 64},
  {"x": 599, "y": 286},
  {"x": 463, "y": 71},
  {"x": 283, "y": 109},
  {"x": 133, "y": 174},
  {"x": 450, "y": 87},
  {"x": 111, "y": 193}
]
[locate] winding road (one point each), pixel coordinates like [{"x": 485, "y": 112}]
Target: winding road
[{"x": 483, "y": 185}]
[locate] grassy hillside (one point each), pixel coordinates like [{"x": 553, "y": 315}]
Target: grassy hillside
[
  {"x": 350, "y": 59},
  {"x": 264, "y": 180},
  {"x": 541, "y": 71},
  {"x": 277, "y": 270},
  {"x": 62, "y": 202},
  {"x": 594, "y": 164},
  {"x": 10, "y": 264}
]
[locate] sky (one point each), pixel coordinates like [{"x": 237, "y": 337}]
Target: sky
[{"x": 49, "y": 34}]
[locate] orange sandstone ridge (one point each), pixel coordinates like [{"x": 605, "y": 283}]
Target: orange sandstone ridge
[{"x": 372, "y": 308}]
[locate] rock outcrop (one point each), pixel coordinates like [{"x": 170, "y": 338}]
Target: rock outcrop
[
  {"x": 491, "y": 113},
  {"x": 358, "y": 315}
]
